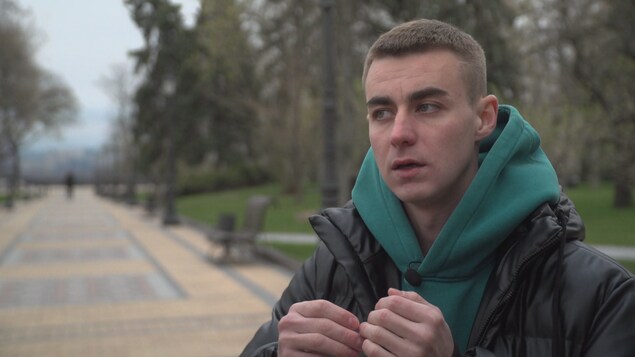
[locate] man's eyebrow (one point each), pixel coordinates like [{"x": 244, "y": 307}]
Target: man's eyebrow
[
  {"x": 415, "y": 96},
  {"x": 379, "y": 101},
  {"x": 426, "y": 93}
]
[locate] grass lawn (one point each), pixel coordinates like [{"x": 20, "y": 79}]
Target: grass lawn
[
  {"x": 286, "y": 214},
  {"x": 604, "y": 224},
  {"x": 628, "y": 264}
]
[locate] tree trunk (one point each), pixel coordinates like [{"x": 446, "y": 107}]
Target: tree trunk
[
  {"x": 623, "y": 194},
  {"x": 13, "y": 178}
]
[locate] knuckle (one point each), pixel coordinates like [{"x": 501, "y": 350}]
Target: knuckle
[
  {"x": 284, "y": 323},
  {"x": 373, "y": 317},
  {"x": 288, "y": 321},
  {"x": 295, "y": 307},
  {"x": 436, "y": 318},
  {"x": 382, "y": 316},
  {"x": 388, "y": 301},
  {"x": 320, "y": 304},
  {"x": 315, "y": 307},
  {"x": 308, "y": 308},
  {"x": 369, "y": 331}
]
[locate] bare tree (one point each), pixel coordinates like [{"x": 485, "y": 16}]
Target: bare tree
[
  {"x": 582, "y": 63},
  {"x": 120, "y": 85},
  {"x": 551, "y": 100},
  {"x": 289, "y": 37},
  {"x": 288, "y": 68},
  {"x": 32, "y": 100}
]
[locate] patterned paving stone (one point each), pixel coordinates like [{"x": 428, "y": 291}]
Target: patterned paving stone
[
  {"x": 71, "y": 254},
  {"x": 85, "y": 290},
  {"x": 132, "y": 327},
  {"x": 81, "y": 223},
  {"x": 88, "y": 277},
  {"x": 90, "y": 234}
]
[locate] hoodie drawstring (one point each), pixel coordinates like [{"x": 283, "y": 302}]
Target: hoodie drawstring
[{"x": 558, "y": 347}]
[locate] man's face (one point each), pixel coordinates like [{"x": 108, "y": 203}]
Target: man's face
[{"x": 422, "y": 127}]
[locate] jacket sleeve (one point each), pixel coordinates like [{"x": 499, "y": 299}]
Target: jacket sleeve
[
  {"x": 303, "y": 286},
  {"x": 477, "y": 352},
  {"x": 612, "y": 332}
]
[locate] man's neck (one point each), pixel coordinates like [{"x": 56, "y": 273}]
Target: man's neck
[
  {"x": 427, "y": 223},
  {"x": 428, "y": 218}
]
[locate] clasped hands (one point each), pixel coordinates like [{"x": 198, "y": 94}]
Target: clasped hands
[{"x": 402, "y": 324}]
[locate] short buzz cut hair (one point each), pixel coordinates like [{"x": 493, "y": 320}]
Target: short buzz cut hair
[{"x": 422, "y": 35}]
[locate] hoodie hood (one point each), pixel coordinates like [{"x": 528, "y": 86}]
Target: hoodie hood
[{"x": 513, "y": 179}]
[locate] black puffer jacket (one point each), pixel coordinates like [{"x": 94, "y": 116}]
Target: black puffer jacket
[{"x": 550, "y": 294}]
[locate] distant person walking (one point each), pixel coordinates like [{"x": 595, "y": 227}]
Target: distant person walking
[{"x": 70, "y": 182}]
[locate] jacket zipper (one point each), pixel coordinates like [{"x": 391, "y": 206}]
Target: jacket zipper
[{"x": 513, "y": 287}]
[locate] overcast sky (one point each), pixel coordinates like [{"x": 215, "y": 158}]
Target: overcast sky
[{"x": 80, "y": 40}]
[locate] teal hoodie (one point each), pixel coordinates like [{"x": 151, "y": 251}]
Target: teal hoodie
[{"x": 513, "y": 179}]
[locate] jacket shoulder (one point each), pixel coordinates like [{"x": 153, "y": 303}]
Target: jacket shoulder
[
  {"x": 350, "y": 225},
  {"x": 598, "y": 301},
  {"x": 586, "y": 269}
]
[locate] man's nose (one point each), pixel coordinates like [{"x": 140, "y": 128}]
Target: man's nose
[{"x": 403, "y": 131}]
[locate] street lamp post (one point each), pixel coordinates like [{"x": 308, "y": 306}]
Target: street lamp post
[
  {"x": 329, "y": 185},
  {"x": 169, "y": 216}
]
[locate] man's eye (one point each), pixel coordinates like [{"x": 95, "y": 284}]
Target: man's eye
[
  {"x": 427, "y": 108},
  {"x": 380, "y": 114}
]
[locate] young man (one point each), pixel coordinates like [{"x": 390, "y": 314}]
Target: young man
[{"x": 457, "y": 240}]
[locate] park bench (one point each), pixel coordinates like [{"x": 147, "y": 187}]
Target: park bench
[{"x": 230, "y": 238}]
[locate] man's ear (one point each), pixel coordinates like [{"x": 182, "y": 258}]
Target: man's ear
[{"x": 487, "y": 110}]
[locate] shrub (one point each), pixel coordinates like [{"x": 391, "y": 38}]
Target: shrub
[{"x": 208, "y": 180}]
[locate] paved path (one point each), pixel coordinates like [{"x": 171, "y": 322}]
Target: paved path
[
  {"x": 87, "y": 277},
  {"x": 617, "y": 252}
]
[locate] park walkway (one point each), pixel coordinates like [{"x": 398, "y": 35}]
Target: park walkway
[{"x": 88, "y": 277}]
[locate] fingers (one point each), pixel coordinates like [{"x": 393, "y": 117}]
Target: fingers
[
  {"x": 411, "y": 295},
  {"x": 327, "y": 310},
  {"x": 379, "y": 341},
  {"x": 372, "y": 349},
  {"x": 313, "y": 344},
  {"x": 411, "y": 306},
  {"x": 320, "y": 328},
  {"x": 404, "y": 323}
]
